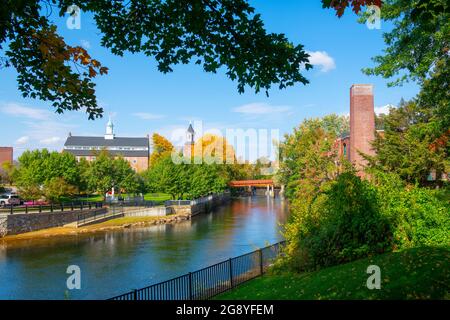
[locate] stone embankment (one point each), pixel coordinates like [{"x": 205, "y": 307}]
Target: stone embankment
[
  {"x": 22, "y": 222},
  {"x": 172, "y": 212}
]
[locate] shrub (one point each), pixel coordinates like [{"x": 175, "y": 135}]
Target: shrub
[
  {"x": 342, "y": 223},
  {"x": 417, "y": 216},
  {"x": 350, "y": 218}
]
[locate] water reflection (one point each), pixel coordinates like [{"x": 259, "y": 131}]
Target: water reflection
[{"x": 114, "y": 262}]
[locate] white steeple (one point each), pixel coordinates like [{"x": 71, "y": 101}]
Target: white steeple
[
  {"x": 190, "y": 133},
  {"x": 109, "y": 130}
]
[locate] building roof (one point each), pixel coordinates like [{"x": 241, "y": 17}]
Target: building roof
[
  {"x": 123, "y": 153},
  {"x": 102, "y": 142}
]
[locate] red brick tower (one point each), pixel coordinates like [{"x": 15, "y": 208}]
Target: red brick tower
[
  {"x": 6, "y": 155},
  {"x": 362, "y": 123}
]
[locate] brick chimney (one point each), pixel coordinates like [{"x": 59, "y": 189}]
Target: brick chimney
[{"x": 362, "y": 123}]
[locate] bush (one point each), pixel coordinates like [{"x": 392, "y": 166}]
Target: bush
[
  {"x": 350, "y": 218},
  {"x": 342, "y": 223},
  {"x": 417, "y": 216}
]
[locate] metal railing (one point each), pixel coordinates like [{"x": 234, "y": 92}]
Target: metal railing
[
  {"x": 208, "y": 282},
  {"x": 114, "y": 209},
  {"x": 71, "y": 206},
  {"x": 177, "y": 202},
  {"x": 61, "y": 207},
  {"x": 204, "y": 199},
  {"x": 97, "y": 215},
  {"x": 133, "y": 203}
]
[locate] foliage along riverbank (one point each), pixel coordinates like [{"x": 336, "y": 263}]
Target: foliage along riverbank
[{"x": 418, "y": 273}]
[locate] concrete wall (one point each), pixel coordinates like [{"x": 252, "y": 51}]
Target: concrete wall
[
  {"x": 21, "y": 223},
  {"x": 148, "y": 212},
  {"x": 201, "y": 205}
]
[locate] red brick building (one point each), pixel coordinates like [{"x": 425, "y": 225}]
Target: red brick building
[
  {"x": 362, "y": 126},
  {"x": 6, "y": 155}
]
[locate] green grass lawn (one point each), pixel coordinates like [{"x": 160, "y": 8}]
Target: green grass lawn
[
  {"x": 419, "y": 273},
  {"x": 159, "y": 197}
]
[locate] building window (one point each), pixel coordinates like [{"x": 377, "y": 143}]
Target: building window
[{"x": 345, "y": 149}]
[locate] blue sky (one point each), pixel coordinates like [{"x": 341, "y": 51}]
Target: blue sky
[{"x": 142, "y": 101}]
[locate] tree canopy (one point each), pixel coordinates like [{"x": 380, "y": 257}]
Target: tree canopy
[
  {"x": 161, "y": 147},
  {"x": 408, "y": 146},
  {"x": 185, "y": 180},
  {"x": 309, "y": 155},
  {"x": 213, "y": 148},
  {"x": 41, "y": 172},
  {"x": 215, "y": 34},
  {"x": 417, "y": 49},
  {"x": 107, "y": 172}
]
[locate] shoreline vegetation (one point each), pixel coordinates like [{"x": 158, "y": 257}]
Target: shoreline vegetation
[
  {"x": 415, "y": 273},
  {"x": 110, "y": 225}
]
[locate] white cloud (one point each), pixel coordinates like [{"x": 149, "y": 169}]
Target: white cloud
[
  {"x": 383, "y": 109},
  {"x": 51, "y": 140},
  {"x": 148, "y": 116},
  {"x": 85, "y": 44},
  {"x": 38, "y": 128},
  {"x": 18, "y": 110},
  {"x": 261, "y": 109},
  {"x": 23, "y": 140},
  {"x": 45, "y": 130},
  {"x": 322, "y": 59}
]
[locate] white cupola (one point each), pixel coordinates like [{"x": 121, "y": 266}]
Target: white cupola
[
  {"x": 190, "y": 133},
  {"x": 109, "y": 130}
]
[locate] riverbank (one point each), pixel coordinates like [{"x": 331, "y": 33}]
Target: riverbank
[
  {"x": 110, "y": 225},
  {"x": 418, "y": 273},
  {"x": 116, "y": 261}
]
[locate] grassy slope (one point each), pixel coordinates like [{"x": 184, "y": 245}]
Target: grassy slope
[
  {"x": 419, "y": 273},
  {"x": 161, "y": 197}
]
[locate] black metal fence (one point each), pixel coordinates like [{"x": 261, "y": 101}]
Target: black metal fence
[
  {"x": 206, "y": 283},
  {"x": 114, "y": 208},
  {"x": 61, "y": 207},
  {"x": 75, "y": 205}
]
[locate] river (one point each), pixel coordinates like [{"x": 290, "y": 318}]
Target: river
[{"x": 116, "y": 262}]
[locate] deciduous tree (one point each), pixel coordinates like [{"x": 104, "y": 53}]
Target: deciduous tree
[
  {"x": 407, "y": 146},
  {"x": 160, "y": 147},
  {"x": 56, "y": 189}
]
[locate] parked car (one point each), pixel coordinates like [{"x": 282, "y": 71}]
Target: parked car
[{"x": 9, "y": 199}]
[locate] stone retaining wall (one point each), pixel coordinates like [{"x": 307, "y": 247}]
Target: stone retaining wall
[
  {"x": 202, "y": 206},
  {"x": 22, "y": 222},
  {"x": 160, "y": 211}
]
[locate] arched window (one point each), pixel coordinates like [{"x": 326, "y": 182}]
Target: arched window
[{"x": 345, "y": 149}]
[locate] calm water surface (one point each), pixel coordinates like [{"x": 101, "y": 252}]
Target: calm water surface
[{"x": 113, "y": 263}]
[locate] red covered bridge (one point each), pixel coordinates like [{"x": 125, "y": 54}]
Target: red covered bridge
[
  {"x": 253, "y": 184},
  {"x": 250, "y": 183}
]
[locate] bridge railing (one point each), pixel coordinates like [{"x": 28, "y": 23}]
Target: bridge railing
[{"x": 210, "y": 281}]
